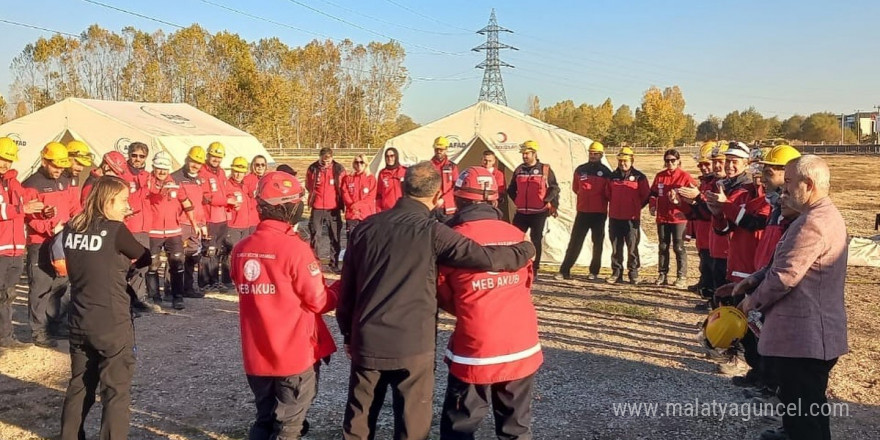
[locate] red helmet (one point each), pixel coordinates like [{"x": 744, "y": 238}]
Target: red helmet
[
  {"x": 278, "y": 187},
  {"x": 476, "y": 183},
  {"x": 116, "y": 161}
]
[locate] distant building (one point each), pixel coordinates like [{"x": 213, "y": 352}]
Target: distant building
[{"x": 862, "y": 123}]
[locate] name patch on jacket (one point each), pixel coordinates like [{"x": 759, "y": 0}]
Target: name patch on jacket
[{"x": 495, "y": 280}]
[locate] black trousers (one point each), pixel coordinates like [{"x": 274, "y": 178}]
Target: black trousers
[
  {"x": 174, "y": 251},
  {"x": 534, "y": 223},
  {"x": 412, "y": 394},
  {"x": 282, "y": 404},
  {"x": 803, "y": 382},
  {"x": 10, "y": 271},
  {"x": 137, "y": 277},
  {"x": 95, "y": 361},
  {"x": 625, "y": 233},
  {"x": 466, "y": 404},
  {"x": 593, "y": 222},
  {"x": 209, "y": 263},
  {"x": 719, "y": 272},
  {"x": 671, "y": 234},
  {"x": 192, "y": 257},
  {"x": 233, "y": 236},
  {"x": 332, "y": 218},
  {"x": 706, "y": 283},
  {"x": 47, "y": 302}
]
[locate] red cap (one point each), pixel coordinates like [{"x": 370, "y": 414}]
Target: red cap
[
  {"x": 116, "y": 161},
  {"x": 278, "y": 187},
  {"x": 476, "y": 183}
]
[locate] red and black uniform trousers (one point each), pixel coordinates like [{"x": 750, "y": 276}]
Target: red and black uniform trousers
[
  {"x": 10, "y": 272},
  {"x": 531, "y": 188},
  {"x": 173, "y": 247},
  {"x": 326, "y": 204}
]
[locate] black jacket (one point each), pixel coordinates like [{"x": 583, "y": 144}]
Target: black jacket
[{"x": 387, "y": 308}]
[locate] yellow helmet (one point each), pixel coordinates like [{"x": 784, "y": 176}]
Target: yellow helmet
[
  {"x": 240, "y": 164},
  {"x": 56, "y": 153},
  {"x": 718, "y": 151},
  {"x": 8, "y": 149},
  {"x": 217, "y": 149},
  {"x": 780, "y": 155},
  {"x": 528, "y": 145},
  {"x": 626, "y": 152},
  {"x": 596, "y": 147},
  {"x": 705, "y": 154},
  {"x": 79, "y": 151},
  {"x": 197, "y": 154},
  {"x": 725, "y": 326},
  {"x": 441, "y": 142}
]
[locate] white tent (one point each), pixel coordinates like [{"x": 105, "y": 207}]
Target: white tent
[
  {"x": 108, "y": 125},
  {"x": 501, "y": 129}
]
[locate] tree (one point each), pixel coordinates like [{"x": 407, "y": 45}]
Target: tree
[
  {"x": 791, "y": 128},
  {"x": 621, "y": 126},
  {"x": 821, "y": 127},
  {"x": 3, "y": 105},
  {"x": 689, "y": 132},
  {"x": 709, "y": 130},
  {"x": 534, "y": 104},
  {"x": 404, "y": 124},
  {"x": 661, "y": 117}
]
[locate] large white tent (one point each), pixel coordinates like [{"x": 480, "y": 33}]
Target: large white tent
[
  {"x": 501, "y": 129},
  {"x": 109, "y": 125}
]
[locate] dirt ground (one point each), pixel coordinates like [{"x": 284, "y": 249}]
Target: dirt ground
[{"x": 603, "y": 345}]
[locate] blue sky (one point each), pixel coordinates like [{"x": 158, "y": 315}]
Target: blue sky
[{"x": 783, "y": 57}]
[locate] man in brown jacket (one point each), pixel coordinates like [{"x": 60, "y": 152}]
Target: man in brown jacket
[{"x": 801, "y": 296}]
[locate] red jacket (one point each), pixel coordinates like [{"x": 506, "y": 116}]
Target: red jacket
[
  {"x": 246, "y": 214},
  {"x": 448, "y": 175},
  {"x": 194, "y": 188},
  {"x": 214, "y": 182},
  {"x": 12, "y": 198},
  {"x": 776, "y": 226},
  {"x": 590, "y": 183},
  {"x": 166, "y": 207},
  {"x": 141, "y": 219},
  {"x": 666, "y": 181},
  {"x": 702, "y": 218},
  {"x": 52, "y": 192},
  {"x": 742, "y": 197},
  {"x": 282, "y": 295},
  {"x": 324, "y": 185},
  {"x": 389, "y": 187},
  {"x": 496, "y": 330},
  {"x": 76, "y": 191},
  {"x": 359, "y": 195},
  {"x": 627, "y": 194},
  {"x": 253, "y": 181},
  {"x": 502, "y": 184}
]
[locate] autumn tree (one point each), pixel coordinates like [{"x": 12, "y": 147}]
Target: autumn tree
[
  {"x": 709, "y": 130},
  {"x": 791, "y": 127},
  {"x": 3, "y": 112},
  {"x": 661, "y": 118},
  {"x": 821, "y": 127},
  {"x": 404, "y": 124},
  {"x": 621, "y": 126}
]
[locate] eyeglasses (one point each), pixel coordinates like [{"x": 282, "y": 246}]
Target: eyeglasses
[
  {"x": 261, "y": 165},
  {"x": 359, "y": 162},
  {"x": 670, "y": 160},
  {"x": 137, "y": 156}
]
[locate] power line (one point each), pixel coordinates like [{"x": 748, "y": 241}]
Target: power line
[
  {"x": 267, "y": 20},
  {"x": 407, "y": 8},
  {"x": 146, "y": 17},
  {"x": 15, "y": 23},
  {"x": 380, "y": 20},
  {"x": 355, "y": 25}
]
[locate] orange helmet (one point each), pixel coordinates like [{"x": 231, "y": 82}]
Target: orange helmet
[{"x": 476, "y": 183}]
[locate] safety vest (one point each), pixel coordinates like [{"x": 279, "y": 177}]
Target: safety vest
[{"x": 531, "y": 188}]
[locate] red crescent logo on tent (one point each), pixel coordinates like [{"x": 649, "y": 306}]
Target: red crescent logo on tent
[{"x": 502, "y": 137}]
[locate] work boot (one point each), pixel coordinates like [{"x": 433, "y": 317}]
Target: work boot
[
  {"x": 703, "y": 306},
  {"x": 195, "y": 292},
  {"x": 43, "y": 340},
  {"x": 145, "y": 306},
  {"x": 634, "y": 277},
  {"x": 562, "y": 276},
  {"x": 775, "y": 434},
  {"x": 750, "y": 379},
  {"x": 177, "y": 303},
  {"x": 695, "y": 288},
  {"x": 592, "y": 277},
  {"x": 661, "y": 280},
  {"x": 13, "y": 344},
  {"x": 680, "y": 283},
  {"x": 763, "y": 392}
]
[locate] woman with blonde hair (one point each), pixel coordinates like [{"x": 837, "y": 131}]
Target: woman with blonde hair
[
  {"x": 358, "y": 194},
  {"x": 99, "y": 251}
]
